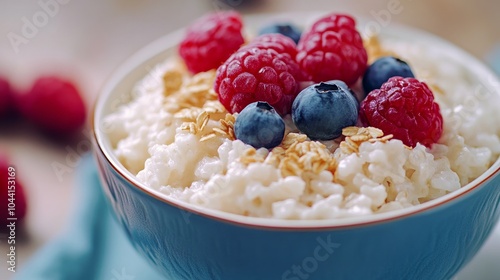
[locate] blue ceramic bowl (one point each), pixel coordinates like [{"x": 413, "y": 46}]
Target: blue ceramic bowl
[{"x": 430, "y": 241}]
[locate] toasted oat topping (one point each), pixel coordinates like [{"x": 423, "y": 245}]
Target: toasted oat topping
[
  {"x": 309, "y": 156},
  {"x": 188, "y": 114},
  {"x": 192, "y": 94},
  {"x": 226, "y": 128},
  {"x": 207, "y": 137},
  {"x": 371, "y": 132},
  {"x": 275, "y": 156},
  {"x": 172, "y": 80},
  {"x": 292, "y": 138},
  {"x": 375, "y": 50},
  {"x": 197, "y": 126},
  {"x": 214, "y": 107},
  {"x": 250, "y": 156},
  {"x": 355, "y": 136},
  {"x": 193, "y": 100},
  {"x": 296, "y": 156}
]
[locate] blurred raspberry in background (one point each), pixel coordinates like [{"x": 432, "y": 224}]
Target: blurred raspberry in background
[
  {"x": 54, "y": 105},
  {"x": 6, "y": 99},
  {"x": 11, "y": 194}
]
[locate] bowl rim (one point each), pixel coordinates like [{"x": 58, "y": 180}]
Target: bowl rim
[{"x": 165, "y": 43}]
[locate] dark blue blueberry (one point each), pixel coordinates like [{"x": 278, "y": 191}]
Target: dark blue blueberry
[
  {"x": 259, "y": 125},
  {"x": 344, "y": 86},
  {"x": 382, "y": 70},
  {"x": 285, "y": 29},
  {"x": 322, "y": 110}
]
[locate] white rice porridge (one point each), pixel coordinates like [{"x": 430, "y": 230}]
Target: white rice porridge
[{"x": 178, "y": 139}]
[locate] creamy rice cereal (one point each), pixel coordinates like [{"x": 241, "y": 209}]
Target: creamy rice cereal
[{"x": 178, "y": 139}]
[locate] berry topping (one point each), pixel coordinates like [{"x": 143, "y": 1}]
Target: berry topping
[
  {"x": 346, "y": 88},
  {"x": 333, "y": 50},
  {"x": 257, "y": 74},
  {"x": 382, "y": 69},
  {"x": 286, "y": 29},
  {"x": 280, "y": 43},
  {"x": 259, "y": 126},
  {"x": 6, "y": 103},
  {"x": 286, "y": 49},
  {"x": 322, "y": 110},
  {"x": 55, "y": 105},
  {"x": 210, "y": 40},
  {"x": 11, "y": 193},
  {"x": 405, "y": 108}
]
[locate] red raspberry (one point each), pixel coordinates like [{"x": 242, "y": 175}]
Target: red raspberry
[
  {"x": 405, "y": 108},
  {"x": 278, "y": 42},
  {"x": 210, "y": 40},
  {"x": 6, "y": 101},
  {"x": 286, "y": 49},
  {"x": 333, "y": 50},
  {"x": 255, "y": 74},
  {"x": 16, "y": 194},
  {"x": 55, "y": 105}
]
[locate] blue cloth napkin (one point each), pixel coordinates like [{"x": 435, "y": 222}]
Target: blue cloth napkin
[
  {"x": 92, "y": 246},
  {"x": 493, "y": 58}
]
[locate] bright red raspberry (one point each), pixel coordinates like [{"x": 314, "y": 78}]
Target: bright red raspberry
[
  {"x": 54, "y": 105},
  {"x": 286, "y": 49},
  {"x": 6, "y": 100},
  {"x": 255, "y": 74},
  {"x": 11, "y": 191},
  {"x": 210, "y": 40},
  {"x": 333, "y": 50},
  {"x": 278, "y": 42},
  {"x": 405, "y": 108}
]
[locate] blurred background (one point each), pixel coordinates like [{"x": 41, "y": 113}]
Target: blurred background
[{"x": 86, "y": 40}]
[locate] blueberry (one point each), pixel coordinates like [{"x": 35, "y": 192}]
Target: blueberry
[
  {"x": 259, "y": 125},
  {"x": 286, "y": 29},
  {"x": 344, "y": 86},
  {"x": 322, "y": 110},
  {"x": 382, "y": 69}
]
